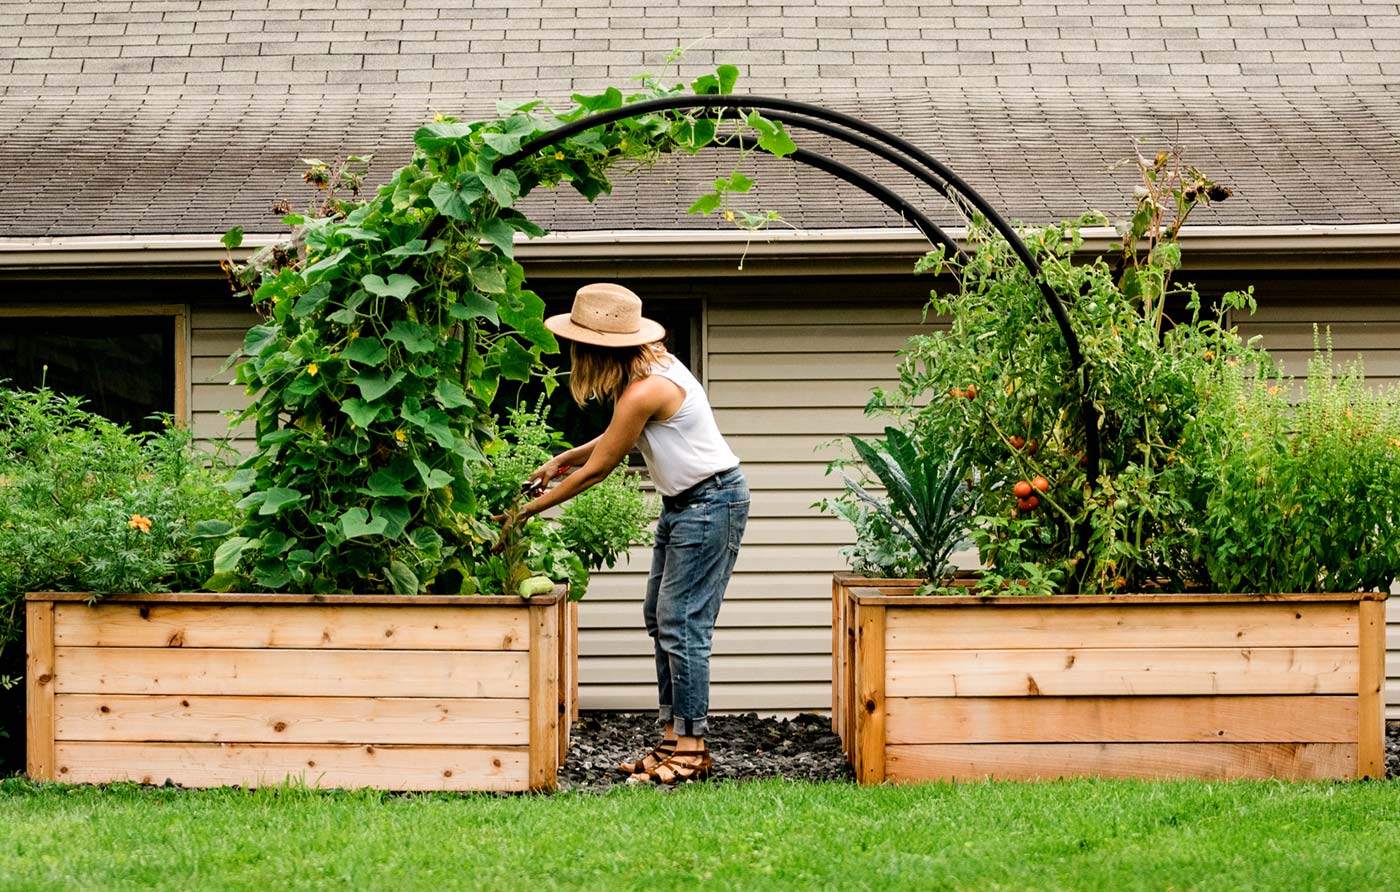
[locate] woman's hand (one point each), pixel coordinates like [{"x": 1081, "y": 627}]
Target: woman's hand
[
  {"x": 508, "y": 521},
  {"x": 547, "y": 472}
]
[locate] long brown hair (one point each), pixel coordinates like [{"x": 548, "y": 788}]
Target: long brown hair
[{"x": 602, "y": 373}]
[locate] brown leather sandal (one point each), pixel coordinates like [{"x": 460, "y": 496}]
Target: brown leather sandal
[
  {"x": 659, "y": 754},
  {"x": 672, "y": 771}
]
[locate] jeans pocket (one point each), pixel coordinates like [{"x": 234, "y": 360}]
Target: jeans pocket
[{"x": 738, "y": 521}]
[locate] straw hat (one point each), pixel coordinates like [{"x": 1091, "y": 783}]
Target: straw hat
[{"x": 606, "y": 315}]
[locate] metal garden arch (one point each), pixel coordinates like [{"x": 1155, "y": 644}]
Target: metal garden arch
[{"x": 882, "y": 144}]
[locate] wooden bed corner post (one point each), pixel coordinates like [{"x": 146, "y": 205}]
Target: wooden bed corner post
[
  {"x": 544, "y": 694},
  {"x": 837, "y": 643},
  {"x": 573, "y": 660},
  {"x": 869, "y": 706},
  {"x": 39, "y": 686},
  {"x": 1370, "y": 753}
]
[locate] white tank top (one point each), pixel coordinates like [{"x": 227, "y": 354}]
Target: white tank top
[{"x": 687, "y": 447}]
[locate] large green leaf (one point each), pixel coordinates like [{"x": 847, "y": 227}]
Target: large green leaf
[
  {"x": 455, "y": 200},
  {"x": 728, "y": 75},
  {"x": 312, "y": 300},
  {"x": 503, "y": 186},
  {"x": 514, "y": 361},
  {"x": 610, "y": 99},
  {"x": 363, "y": 414},
  {"x": 433, "y": 478},
  {"x": 439, "y": 136},
  {"x": 402, "y": 578},
  {"x": 396, "y": 515},
  {"x": 227, "y": 555},
  {"x": 526, "y": 316},
  {"x": 365, "y": 351},
  {"x": 499, "y": 233},
  {"x": 355, "y": 522},
  {"x": 415, "y": 337},
  {"x": 374, "y": 385},
  {"x": 487, "y": 277},
  {"x": 383, "y": 483},
  {"x": 772, "y": 138},
  {"x": 705, "y": 204},
  {"x": 449, "y": 394},
  {"x": 325, "y": 267},
  {"x": 258, "y": 338},
  {"x": 278, "y": 498},
  {"x": 398, "y": 286},
  {"x": 474, "y": 306},
  {"x": 417, "y": 248},
  {"x": 433, "y": 422}
]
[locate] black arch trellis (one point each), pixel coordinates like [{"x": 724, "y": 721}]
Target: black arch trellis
[{"x": 884, "y": 145}]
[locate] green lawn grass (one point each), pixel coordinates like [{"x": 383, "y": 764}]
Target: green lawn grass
[{"x": 1076, "y": 835}]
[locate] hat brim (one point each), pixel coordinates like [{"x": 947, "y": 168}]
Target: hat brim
[{"x": 649, "y": 333}]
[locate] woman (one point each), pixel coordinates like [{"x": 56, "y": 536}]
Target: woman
[{"x": 661, "y": 407}]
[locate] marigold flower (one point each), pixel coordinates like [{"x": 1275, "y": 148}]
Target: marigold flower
[
  {"x": 312, "y": 369},
  {"x": 139, "y": 522}
]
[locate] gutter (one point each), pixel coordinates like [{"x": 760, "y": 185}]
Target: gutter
[{"x": 720, "y": 252}]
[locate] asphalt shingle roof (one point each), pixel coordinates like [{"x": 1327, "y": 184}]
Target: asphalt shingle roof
[
  {"x": 121, "y": 165},
  {"x": 553, "y": 47},
  {"x": 189, "y": 116}
]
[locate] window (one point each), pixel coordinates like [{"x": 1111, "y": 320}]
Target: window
[{"x": 124, "y": 364}]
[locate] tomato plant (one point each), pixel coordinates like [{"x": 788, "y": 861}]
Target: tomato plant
[{"x": 1211, "y": 476}]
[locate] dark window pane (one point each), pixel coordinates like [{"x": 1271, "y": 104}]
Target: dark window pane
[
  {"x": 124, "y": 367},
  {"x": 579, "y": 425}
]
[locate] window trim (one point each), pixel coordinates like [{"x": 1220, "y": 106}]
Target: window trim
[{"x": 179, "y": 315}]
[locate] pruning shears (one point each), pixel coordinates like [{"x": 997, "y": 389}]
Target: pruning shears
[{"x": 534, "y": 488}]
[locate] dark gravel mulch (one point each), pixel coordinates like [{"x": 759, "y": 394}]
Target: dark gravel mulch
[
  {"x": 743, "y": 746},
  {"x": 1392, "y": 749}
]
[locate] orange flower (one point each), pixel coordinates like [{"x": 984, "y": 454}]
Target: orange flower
[{"x": 140, "y": 522}]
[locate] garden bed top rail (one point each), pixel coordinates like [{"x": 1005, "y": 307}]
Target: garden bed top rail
[
  {"x": 552, "y": 597},
  {"x": 899, "y": 597}
]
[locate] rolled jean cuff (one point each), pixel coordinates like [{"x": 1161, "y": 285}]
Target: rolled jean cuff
[
  {"x": 664, "y": 713},
  {"x": 691, "y": 727}
]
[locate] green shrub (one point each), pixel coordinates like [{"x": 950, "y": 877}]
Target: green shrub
[{"x": 88, "y": 506}]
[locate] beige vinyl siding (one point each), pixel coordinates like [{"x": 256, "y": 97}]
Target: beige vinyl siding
[
  {"x": 1362, "y": 314},
  {"x": 216, "y": 331}
]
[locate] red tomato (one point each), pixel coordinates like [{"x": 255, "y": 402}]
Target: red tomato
[
  {"x": 1022, "y": 489},
  {"x": 1040, "y": 484}
]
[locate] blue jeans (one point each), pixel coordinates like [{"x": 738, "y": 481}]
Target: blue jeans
[{"x": 697, "y": 540}]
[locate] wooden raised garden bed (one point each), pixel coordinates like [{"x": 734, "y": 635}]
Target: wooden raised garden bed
[
  {"x": 396, "y": 692},
  {"x": 1203, "y": 686}
]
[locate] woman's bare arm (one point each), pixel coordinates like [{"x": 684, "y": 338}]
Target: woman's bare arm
[{"x": 639, "y": 403}]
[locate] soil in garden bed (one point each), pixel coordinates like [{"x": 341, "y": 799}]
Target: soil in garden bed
[{"x": 744, "y": 746}]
